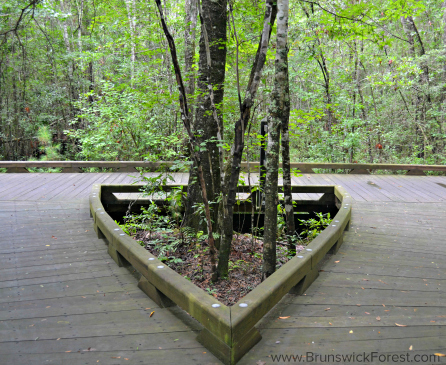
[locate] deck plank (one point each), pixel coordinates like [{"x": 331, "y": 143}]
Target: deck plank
[{"x": 63, "y": 300}]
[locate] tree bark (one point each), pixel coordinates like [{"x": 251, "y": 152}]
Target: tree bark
[
  {"x": 206, "y": 128},
  {"x": 279, "y": 117},
  {"x": 189, "y": 49},
  {"x": 271, "y": 196}
]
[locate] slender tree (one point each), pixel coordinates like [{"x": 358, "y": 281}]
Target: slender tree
[{"x": 279, "y": 116}]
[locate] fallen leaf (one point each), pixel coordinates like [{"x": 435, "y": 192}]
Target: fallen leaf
[
  {"x": 366, "y": 312},
  {"x": 383, "y": 282},
  {"x": 47, "y": 245},
  {"x": 330, "y": 323},
  {"x": 284, "y": 317},
  {"x": 337, "y": 262},
  {"x": 351, "y": 331},
  {"x": 441, "y": 355},
  {"x": 432, "y": 321},
  {"x": 151, "y": 314},
  {"x": 116, "y": 357},
  {"x": 260, "y": 362},
  {"x": 386, "y": 310},
  {"x": 384, "y": 305},
  {"x": 58, "y": 339},
  {"x": 401, "y": 325},
  {"x": 67, "y": 351},
  {"x": 54, "y": 237},
  {"x": 378, "y": 318},
  {"x": 410, "y": 348},
  {"x": 362, "y": 288},
  {"x": 327, "y": 309}
]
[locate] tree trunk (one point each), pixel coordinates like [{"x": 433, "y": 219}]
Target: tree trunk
[
  {"x": 422, "y": 99},
  {"x": 271, "y": 196},
  {"x": 231, "y": 179},
  {"x": 280, "y": 112},
  {"x": 71, "y": 88},
  {"x": 282, "y": 78},
  {"x": 131, "y": 17},
  {"x": 206, "y": 128},
  {"x": 189, "y": 49}
]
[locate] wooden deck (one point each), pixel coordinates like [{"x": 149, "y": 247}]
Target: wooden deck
[{"x": 63, "y": 300}]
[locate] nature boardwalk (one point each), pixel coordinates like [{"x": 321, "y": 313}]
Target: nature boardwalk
[{"x": 65, "y": 301}]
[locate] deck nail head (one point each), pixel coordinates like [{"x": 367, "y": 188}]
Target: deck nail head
[
  {"x": 337, "y": 221},
  {"x": 122, "y": 234},
  {"x": 151, "y": 259},
  {"x": 160, "y": 266},
  {"x": 116, "y": 229},
  {"x": 301, "y": 257},
  {"x": 334, "y": 225},
  {"x": 215, "y": 305},
  {"x": 102, "y": 213},
  {"x": 243, "y": 305},
  {"x": 309, "y": 249},
  {"x": 99, "y": 209}
]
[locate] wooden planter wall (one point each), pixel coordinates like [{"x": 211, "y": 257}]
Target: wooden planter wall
[{"x": 229, "y": 332}]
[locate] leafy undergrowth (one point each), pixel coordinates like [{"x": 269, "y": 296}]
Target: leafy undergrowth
[{"x": 191, "y": 260}]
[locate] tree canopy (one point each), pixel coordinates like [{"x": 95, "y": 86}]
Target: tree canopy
[{"x": 366, "y": 78}]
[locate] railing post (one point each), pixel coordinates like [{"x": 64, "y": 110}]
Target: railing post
[{"x": 261, "y": 195}]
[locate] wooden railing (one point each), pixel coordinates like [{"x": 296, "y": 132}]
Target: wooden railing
[{"x": 134, "y": 166}]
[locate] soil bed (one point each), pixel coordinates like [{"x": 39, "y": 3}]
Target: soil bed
[{"x": 191, "y": 260}]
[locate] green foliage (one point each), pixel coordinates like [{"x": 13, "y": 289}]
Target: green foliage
[
  {"x": 119, "y": 125},
  {"x": 64, "y": 75},
  {"x": 314, "y": 226}
]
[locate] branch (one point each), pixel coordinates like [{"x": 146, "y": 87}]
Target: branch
[
  {"x": 358, "y": 20},
  {"x": 23, "y": 12}
]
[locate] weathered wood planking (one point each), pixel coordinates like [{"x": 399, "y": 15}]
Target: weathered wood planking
[
  {"x": 64, "y": 300},
  {"x": 391, "y": 266},
  {"x": 392, "y": 274}
]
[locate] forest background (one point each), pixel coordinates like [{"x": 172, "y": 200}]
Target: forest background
[{"x": 93, "y": 79}]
